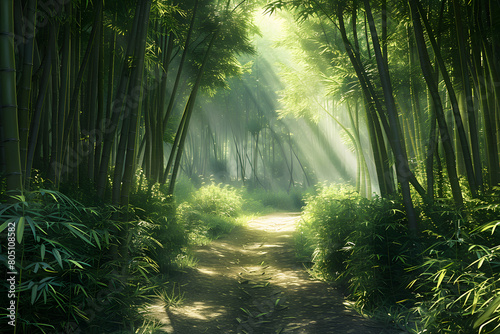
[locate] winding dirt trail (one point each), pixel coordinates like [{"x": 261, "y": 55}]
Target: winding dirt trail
[{"x": 250, "y": 282}]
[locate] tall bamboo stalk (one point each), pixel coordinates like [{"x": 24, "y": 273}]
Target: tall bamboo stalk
[
  {"x": 433, "y": 89},
  {"x": 135, "y": 90},
  {"x": 402, "y": 168},
  {"x": 8, "y": 100},
  {"x": 24, "y": 98}
]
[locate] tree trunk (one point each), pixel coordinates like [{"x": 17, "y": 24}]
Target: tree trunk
[
  {"x": 8, "y": 101},
  {"x": 33, "y": 138},
  {"x": 135, "y": 92},
  {"x": 433, "y": 89},
  {"x": 24, "y": 98},
  {"x": 188, "y": 112},
  {"x": 471, "y": 114},
  {"x": 453, "y": 99},
  {"x": 402, "y": 168},
  {"x": 118, "y": 110}
]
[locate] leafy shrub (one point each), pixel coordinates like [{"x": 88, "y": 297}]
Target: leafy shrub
[
  {"x": 184, "y": 188},
  {"x": 329, "y": 217},
  {"x": 458, "y": 286},
  {"x": 279, "y": 200},
  {"x": 362, "y": 243},
  {"x": 379, "y": 252},
  {"x": 211, "y": 211},
  {"x": 218, "y": 200},
  {"x": 53, "y": 247},
  {"x": 69, "y": 275},
  {"x": 153, "y": 209},
  {"x": 446, "y": 281}
]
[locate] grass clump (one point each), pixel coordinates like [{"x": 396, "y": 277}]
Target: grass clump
[
  {"x": 171, "y": 298},
  {"x": 211, "y": 212}
]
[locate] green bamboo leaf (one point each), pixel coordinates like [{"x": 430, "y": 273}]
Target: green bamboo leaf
[
  {"x": 34, "y": 293},
  {"x": 57, "y": 255},
  {"x": 75, "y": 230},
  {"x": 489, "y": 310},
  {"x": 441, "y": 277},
  {"x": 491, "y": 225},
  {"x": 246, "y": 311},
  {"x": 96, "y": 238},
  {"x": 4, "y": 225},
  {"x": 76, "y": 264},
  {"x": 31, "y": 223},
  {"x": 42, "y": 251},
  {"x": 5, "y": 208},
  {"x": 20, "y": 229},
  {"x": 46, "y": 279}
]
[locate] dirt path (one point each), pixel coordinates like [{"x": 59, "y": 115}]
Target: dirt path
[{"x": 250, "y": 282}]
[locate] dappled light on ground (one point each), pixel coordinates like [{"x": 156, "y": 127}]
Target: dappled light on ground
[
  {"x": 251, "y": 282},
  {"x": 201, "y": 311}
]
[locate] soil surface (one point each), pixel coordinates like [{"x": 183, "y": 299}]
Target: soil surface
[{"x": 250, "y": 282}]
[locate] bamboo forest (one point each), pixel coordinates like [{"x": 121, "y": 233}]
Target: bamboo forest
[{"x": 250, "y": 166}]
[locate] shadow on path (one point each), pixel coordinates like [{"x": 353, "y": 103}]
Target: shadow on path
[{"x": 250, "y": 282}]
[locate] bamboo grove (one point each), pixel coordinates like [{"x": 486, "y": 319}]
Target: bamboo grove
[
  {"x": 117, "y": 98},
  {"x": 99, "y": 89},
  {"x": 90, "y": 87},
  {"x": 425, "y": 75}
]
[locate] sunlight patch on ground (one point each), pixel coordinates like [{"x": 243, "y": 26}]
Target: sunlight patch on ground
[
  {"x": 157, "y": 311},
  {"x": 275, "y": 223},
  {"x": 257, "y": 245},
  {"x": 273, "y": 246},
  {"x": 207, "y": 271},
  {"x": 200, "y": 311}
]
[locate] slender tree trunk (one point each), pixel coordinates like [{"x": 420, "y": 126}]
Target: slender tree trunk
[
  {"x": 118, "y": 111},
  {"x": 101, "y": 112},
  {"x": 402, "y": 167},
  {"x": 129, "y": 132},
  {"x": 490, "y": 129},
  {"x": 471, "y": 114},
  {"x": 73, "y": 110},
  {"x": 188, "y": 111},
  {"x": 373, "y": 106},
  {"x": 173, "y": 95},
  {"x": 24, "y": 98},
  {"x": 433, "y": 89},
  {"x": 8, "y": 101},
  {"x": 453, "y": 99},
  {"x": 57, "y": 162},
  {"x": 40, "y": 102}
]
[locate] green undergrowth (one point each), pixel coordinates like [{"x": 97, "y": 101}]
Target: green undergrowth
[
  {"x": 84, "y": 266},
  {"x": 446, "y": 280},
  {"x": 211, "y": 211},
  {"x": 276, "y": 200},
  {"x": 80, "y": 268},
  {"x": 214, "y": 209}
]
